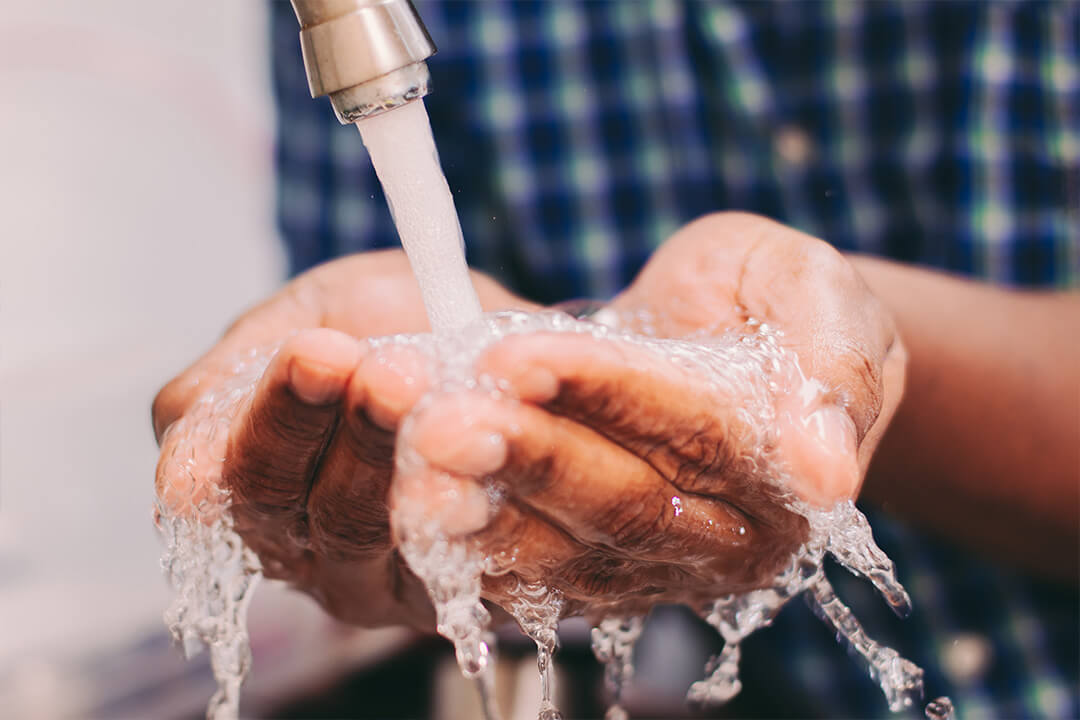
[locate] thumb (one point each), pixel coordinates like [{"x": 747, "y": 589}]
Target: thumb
[{"x": 817, "y": 445}]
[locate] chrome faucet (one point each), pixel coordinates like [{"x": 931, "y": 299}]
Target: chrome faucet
[{"x": 367, "y": 55}]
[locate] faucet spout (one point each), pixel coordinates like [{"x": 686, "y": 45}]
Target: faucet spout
[{"x": 367, "y": 55}]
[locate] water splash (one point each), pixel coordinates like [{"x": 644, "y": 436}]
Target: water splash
[
  {"x": 213, "y": 573},
  {"x": 452, "y": 573},
  {"x": 537, "y": 609},
  {"x": 940, "y": 709},
  {"x": 845, "y": 534},
  {"x": 613, "y": 641},
  {"x": 901, "y": 680}
]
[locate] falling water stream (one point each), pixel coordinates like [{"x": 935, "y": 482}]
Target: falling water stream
[{"x": 214, "y": 573}]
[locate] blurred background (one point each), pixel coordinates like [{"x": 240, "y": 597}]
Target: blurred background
[{"x": 135, "y": 142}]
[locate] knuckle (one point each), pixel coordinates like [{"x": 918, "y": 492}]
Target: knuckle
[
  {"x": 861, "y": 385},
  {"x": 165, "y": 408},
  {"x": 504, "y": 534},
  {"x": 347, "y": 528},
  {"x": 640, "y": 525},
  {"x": 702, "y": 455},
  {"x": 592, "y": 575},
  {"x": 261, "y": 486},
  {"x": 294, "y": 426},
  {"x": 593, "y": 402},
  {"x": 529, "y": 478}
]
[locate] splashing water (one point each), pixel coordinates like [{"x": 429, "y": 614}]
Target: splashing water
[
  {"x": 206, "y": 562},
  {"x": 940, "y": 709},
  {"x": 845, "y": 534},
  {"x": 613, "y": 642},
  {"x": 214, "y": 574},
  {"x": 537, "y": 610}
]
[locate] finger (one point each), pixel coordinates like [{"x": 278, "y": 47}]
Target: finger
[
  {"x": 275, "y": 446},
  {"x": 347, "y": 507},
  {"x": 524, "y": 547},
  {"x": 189, "y": 469},
  {"x": 520, "y": 545},
  {"x": 688, "y": 428},
  {"x": 374, "y": 591},
  {"x": 725, "y": 267},
  {"x": 816, "y": 446},
  {"x": 594, "y": 490}
]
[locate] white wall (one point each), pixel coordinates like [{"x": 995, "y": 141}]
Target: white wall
[{"x": 135, "y": 221}]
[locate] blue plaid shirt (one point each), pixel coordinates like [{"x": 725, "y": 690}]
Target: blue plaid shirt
[{"x": 576, "y": 137}]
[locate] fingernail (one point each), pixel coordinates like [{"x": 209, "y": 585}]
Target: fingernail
[
  {"x": 315, "y": 384},
  {"x": 536, "y": 384},
  {"x": 475, "y": 452},
  {"x": 819, "y": 447},
  {"x": 395, "y": 379},
  {"x": 833, "y": 427},
  {"x": 458, "y": 506}
]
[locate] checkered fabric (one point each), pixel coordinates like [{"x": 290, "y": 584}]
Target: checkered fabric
[{"x": 577, "y": 136}]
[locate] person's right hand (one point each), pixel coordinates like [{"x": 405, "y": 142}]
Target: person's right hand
[{"x": 309, "y": 456}]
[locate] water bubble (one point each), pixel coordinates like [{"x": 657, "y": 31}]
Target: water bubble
[
  {"x": 213, "y": 574},
  {"x": 940, "y": 709},
  {"x": 613, "y": 642}
]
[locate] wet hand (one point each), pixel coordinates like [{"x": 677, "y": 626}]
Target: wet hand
[
  {"x": 617, "y": 466},
  {"x": 625, "y": 479},
  {"x": 308, "y": 458}
]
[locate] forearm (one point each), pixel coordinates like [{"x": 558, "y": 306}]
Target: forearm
[{"x": 985, "y": 447}]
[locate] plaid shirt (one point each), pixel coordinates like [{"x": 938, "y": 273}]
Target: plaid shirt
[{"x": 576, "y": 137}]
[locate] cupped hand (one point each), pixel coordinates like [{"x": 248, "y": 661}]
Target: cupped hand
[
  {"x": 307, "y": 460},
  {"x": 626, "y": 477}
]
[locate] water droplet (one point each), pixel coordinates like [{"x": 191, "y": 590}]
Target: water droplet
[{"x": 940, "y": 709}]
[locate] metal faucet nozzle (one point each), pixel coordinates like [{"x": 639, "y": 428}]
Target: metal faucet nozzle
[{"x": 367, "y": 55}]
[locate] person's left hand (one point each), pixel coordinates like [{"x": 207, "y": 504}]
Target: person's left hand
[{"x": 629, "y": 479}]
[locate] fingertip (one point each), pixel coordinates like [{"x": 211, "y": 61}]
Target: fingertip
[
  {"x": 184, "y": 480},
  {"x": 820, "y": 451},
  {"x": 457, "y": 505},
  {"x": 320, "y": 363},
  {"x": 387, "y": 384},
  {"x": 521, "y": 363},
  {"x": 463, "y": 434}
]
